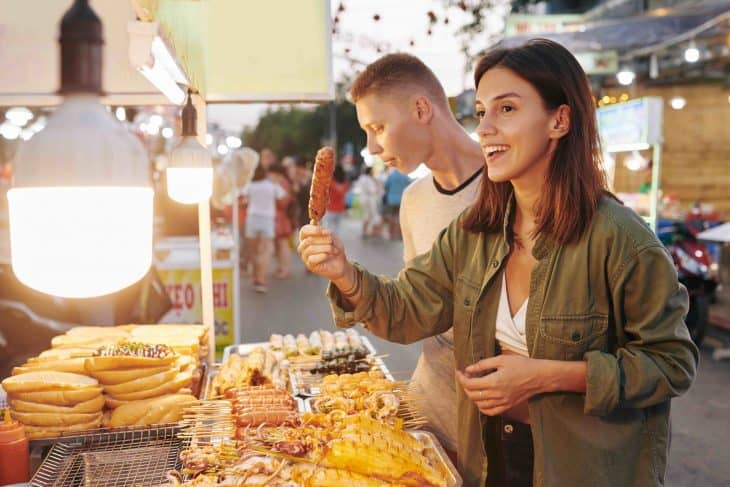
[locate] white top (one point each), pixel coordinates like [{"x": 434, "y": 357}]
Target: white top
[
  {"x": 367, "y": 186},
  {"x": 511, "y": 329},
  {"x": 425, "y": 210},
  {"x": 262, "y": 196}
]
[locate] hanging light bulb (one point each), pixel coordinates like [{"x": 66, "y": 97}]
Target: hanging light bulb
[
  {"x": 692, "y": 54},
  {"x": 190, "y": 172},
  {"x": 625, "y": 76},
  {"x": 81, "y": 206}
]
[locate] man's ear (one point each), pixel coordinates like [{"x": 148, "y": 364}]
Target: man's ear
[
  {"x": 422, "y": 109},
  {"x": 561, "y": 122}
]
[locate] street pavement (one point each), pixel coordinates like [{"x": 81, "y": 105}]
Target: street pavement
[{"x": 700, "y": 419}]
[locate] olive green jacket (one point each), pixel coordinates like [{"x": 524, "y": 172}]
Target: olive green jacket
[{"x": 612, "y": 299}]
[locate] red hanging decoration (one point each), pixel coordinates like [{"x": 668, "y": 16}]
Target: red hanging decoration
[
  {"x": 432, "y": 17},
  {"x": 446, "y": 21},
  {"x": 376, "y": 17},
  {"x": 336, "y": 19},
  {"x": 429, "y": 32},
  {"x": 341, "y": 8},
  {"x": 462, "y": 6}
]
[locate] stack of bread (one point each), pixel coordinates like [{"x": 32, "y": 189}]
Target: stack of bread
[
  {"x": 190, "y": 342},
  {"x": 122, "y": 369},
  {"x": 140, "y": 377},
  {"x": 50, "y": 403}
]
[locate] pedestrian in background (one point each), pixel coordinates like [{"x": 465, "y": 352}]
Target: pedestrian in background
[
  {"x": 368, "y": 195},
  {"x": 283, "y": 223},
  {"x": 395, "y": 184},
  {"x": 261, "y": 196},
  {"x": 336, "y": 203}
]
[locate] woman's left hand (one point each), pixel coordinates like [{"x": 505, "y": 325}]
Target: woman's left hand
[{"x": 509, "y": 381}]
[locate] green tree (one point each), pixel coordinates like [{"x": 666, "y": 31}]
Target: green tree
[{"x": 302, "y": 131}]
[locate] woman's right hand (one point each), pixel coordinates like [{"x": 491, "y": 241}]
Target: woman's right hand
[{"x": 322, "y": 252}]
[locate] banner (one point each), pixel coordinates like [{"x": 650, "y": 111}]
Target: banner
[{"x": 183, "y": 287}]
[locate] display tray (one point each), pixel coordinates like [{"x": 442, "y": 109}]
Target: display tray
[
  {"x": 436, "y": 452},
  {"x": 132, "y": 456},
  {"x": 244, "y": 349},
  {"x": 303, "y": 383}
]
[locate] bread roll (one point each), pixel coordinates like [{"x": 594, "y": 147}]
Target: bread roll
[
  {"x": 164, "y": 409},
  {"x": 65, "y": 341},
  {"x": 72, "y": 365},
  {"x": 58, "y": 398},
  {"x": 53, "y": 419},
  {"x": 50, "y": 431},
  {"x": 181, "y": 380},
  {"x": 142, "y": 384},
  {"x": 63, "y": 353},
  {"x": 112, "y": 403},
  {"x": 85, "y": 332},
  {"x": 112, "y": 377},
  {"x": 117, "y": 362},
  {"x": 47, "y": 381},
  {"x": 93, "y": 405}
]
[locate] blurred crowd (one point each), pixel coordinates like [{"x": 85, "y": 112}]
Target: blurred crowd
[{"x": 273, "y": 206}]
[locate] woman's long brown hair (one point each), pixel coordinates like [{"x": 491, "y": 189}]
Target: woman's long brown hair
[{"x": 575, "y": 181}]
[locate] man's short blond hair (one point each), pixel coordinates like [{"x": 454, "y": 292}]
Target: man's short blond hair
[{"x": 394, "y": 74}]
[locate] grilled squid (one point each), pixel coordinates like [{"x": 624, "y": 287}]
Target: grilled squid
[{"x": 324, "y": 165}]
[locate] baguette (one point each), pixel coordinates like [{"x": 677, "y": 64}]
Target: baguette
[
  {"x": 69, "y": 397},
  {"x": 143, "y": 383},
  {"x": 45, "y": 380},
  {"x": 117, "y": 362},
  {"x": 181, "y": 380},
  {"x": 72, "y": 365},
  {"x": 33, "y": 432},
  {"x": 113, "y": 377},
  {"x": 164, "y": 409},
  {"x": 91, "y": 406},
  {"x": 53, "y": 419}
]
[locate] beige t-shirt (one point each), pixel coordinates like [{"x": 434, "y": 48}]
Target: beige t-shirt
[{"x": 425, "y": 210}]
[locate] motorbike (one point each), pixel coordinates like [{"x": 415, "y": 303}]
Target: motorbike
[{"x": 696, "y": 269}]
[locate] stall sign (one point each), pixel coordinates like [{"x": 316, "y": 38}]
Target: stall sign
[
  {"x": 183, "y": 287},
  {"x": 633, "y": 125}
]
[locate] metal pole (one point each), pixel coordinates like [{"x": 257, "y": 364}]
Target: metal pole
[{"x": 206, "y": 276}]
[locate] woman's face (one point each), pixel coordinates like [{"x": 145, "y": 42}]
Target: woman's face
[{"x": 516, "y": 132}]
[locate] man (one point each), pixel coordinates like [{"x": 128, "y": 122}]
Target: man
[{"x": 404, "y": 111}]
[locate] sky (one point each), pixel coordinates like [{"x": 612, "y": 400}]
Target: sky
[{"x": 399, "y": 24}]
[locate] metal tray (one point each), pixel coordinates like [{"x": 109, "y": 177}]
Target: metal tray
[
  {"x": 298, "y": 388},
  {"x": 434, "y": 449},
  {"x": 136, "y": 456}
]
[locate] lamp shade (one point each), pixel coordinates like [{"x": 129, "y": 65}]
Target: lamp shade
[
  {"x": 81, "y": 206},
  {"x": 190, "y": 172}
]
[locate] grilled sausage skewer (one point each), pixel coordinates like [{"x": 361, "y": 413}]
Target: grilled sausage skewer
[{"x": 324, "y": 165}]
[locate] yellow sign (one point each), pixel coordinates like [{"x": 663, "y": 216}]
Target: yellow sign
[{"x": 183, "y": 287}]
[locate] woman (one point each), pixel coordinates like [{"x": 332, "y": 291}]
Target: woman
[
  {"x": 261, "y": 196},
  {"x": 567, "y": 313}
]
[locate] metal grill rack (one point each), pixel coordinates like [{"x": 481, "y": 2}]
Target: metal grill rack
[{"x": 133, "y": 457}]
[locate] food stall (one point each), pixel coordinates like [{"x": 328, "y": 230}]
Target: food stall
[{"x": 146, "y": 404}]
